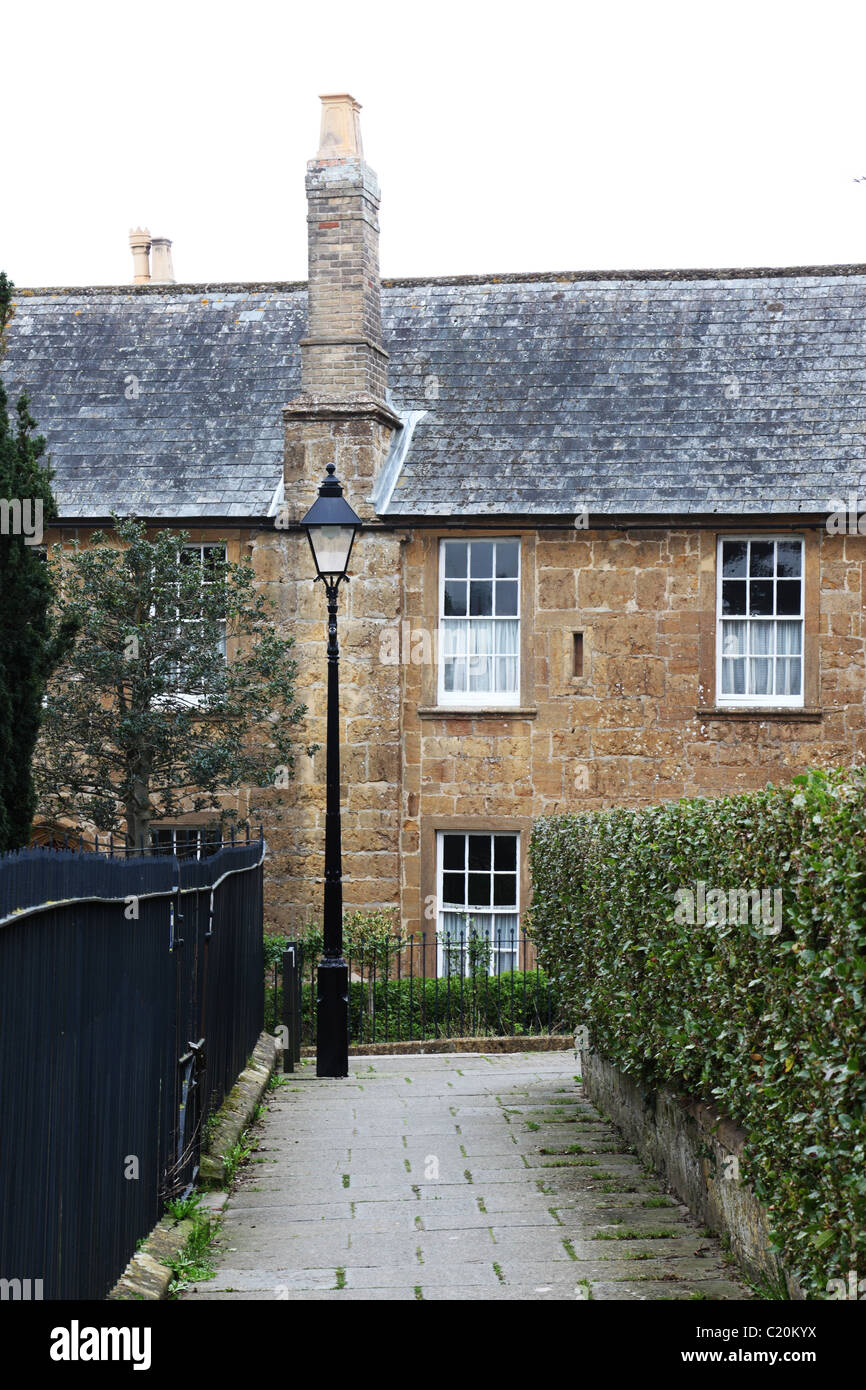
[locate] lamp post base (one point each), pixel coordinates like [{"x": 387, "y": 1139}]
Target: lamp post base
[{"x": 332, "y": 1017}]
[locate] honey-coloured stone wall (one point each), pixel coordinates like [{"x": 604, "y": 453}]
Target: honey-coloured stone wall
[{"x": 640, "y": 724}]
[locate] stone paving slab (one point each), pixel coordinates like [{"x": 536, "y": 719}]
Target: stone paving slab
[
  {"x": 657, "y": 1290},
  {"x": 424, "y": 1178}
]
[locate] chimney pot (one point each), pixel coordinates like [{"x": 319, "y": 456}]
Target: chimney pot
[
  {"x": 139, "y": 240},
  {"x": 163, "y": 270},
  {"x": 340, "y": 136}
]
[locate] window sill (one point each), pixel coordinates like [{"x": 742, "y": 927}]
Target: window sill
[
  {"x": 477, "y": 712},
  {"x": 811, "y": 714}
]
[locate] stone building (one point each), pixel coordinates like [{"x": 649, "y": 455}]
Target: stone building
[{"x": 600, "y": 564}]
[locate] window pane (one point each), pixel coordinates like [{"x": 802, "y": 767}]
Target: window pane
[
  {"x": 453, "y": 851},
  {"x": 760, "y": 675},
  {"x": 506, "y": 598},
  {"x": 734, "y": 559},
  {"x": 454, "y": 635},
  {"x": 455, "y": 559},
  {"x": 505, "y": 852},
  {"x": 733, "y": 596},
  {"x": 479, "y": 667},
  {"x": 507, "y": 555},
  {"x": 479, "y": 852},
  {"x": 506, "y": 638},
  {"x": 762, "y": 639},
  {"x": 506, "y": 675},
  {"x": 455, "y": 674},
  {"x": 733, "y": 675},
  {"x": 788, "y": 596},
  {"x": 481, "y": 598},
  {"x": 788, "y": 670},
  {"x": 504, "y": 890},
  {"x": 479, "y": 890},
  {"x": 789, "y": 639},
  {"x": 481, "y": 559},
  {"x": 481, "y": 637},
  {"x": 454, "y": 888},
  {"x": 734, "y": 636},
  {"x": 211, "y": 839},
  {"x": 455, "y": 598},
  {"x": 789, "y": 556},
  {"x": 760, "y": 597},
  {"x": 761, "y": 559},
  {"x": 504, "y": 931},
  {"x": 480, "y": 674}
]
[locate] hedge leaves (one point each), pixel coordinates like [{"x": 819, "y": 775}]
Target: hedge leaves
[{"x": 758, "y": 1007}]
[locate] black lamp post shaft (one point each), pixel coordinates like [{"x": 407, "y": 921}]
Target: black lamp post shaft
[{"x": 332, "y": 1004}]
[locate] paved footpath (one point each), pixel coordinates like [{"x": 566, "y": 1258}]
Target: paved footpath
[{"x": 459, "y": 1176}]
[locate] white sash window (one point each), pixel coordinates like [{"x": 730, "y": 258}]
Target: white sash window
[
  {"x": 478, "y": 898},
  {"x": 479, "y": 622},
  {"x": 760, "y": 621}
]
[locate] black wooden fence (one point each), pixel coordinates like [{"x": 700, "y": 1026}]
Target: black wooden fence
[{"x": 130, "y": 999}]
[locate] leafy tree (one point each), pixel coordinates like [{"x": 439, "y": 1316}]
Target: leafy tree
[
  {"x": 146, "y": 718},
  {"x": 30, "y": 645}
]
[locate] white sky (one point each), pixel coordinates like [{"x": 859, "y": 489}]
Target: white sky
[{"x": 542, "y": 136}]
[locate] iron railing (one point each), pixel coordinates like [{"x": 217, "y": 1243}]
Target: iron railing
[
  {"x": 130, "y": 999},
  {"x": 420, "y": 987}
]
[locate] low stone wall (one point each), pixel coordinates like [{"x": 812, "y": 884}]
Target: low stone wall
[
  {"x": 697, "y": 1151},
  {"x": 237, "y": 1111},
  {"x": 147, "y": 1276}
]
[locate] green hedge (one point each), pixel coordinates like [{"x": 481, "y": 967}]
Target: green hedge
[{"x": 765, "y": 1020}]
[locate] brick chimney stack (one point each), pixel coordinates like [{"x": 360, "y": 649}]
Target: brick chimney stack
[
  {"x": 139, "y": 240},
  {"x": 163, "y": 270},
  {"x": 342, "y": 356},
  {"x": 340, "y": 416}
]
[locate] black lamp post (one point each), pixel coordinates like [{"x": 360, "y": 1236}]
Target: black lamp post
[{"x": 331, "y": 527}]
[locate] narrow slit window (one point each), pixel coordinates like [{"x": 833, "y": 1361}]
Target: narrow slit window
[{"x": 577, "y": 655}]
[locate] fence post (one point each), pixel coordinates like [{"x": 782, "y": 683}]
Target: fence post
[{"x": 291, "y": 1021}]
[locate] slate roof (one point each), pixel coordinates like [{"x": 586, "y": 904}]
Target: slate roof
[
  {"x": 650, "y": 396},
  {"x": 163, "y": 402},
  {"x": 656, "y": 393}
]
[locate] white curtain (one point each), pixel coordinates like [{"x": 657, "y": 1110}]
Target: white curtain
[
  {"x": 507, "y": 653},
  {"x": 481, "y": 632},
  {"x": 789, "y": 658},
  {"x": 481, "y": 654},
  {"x": 505, "y": 942},
  {"x": 750, "y": 651},
  {"x": 500, "y": 928},
  {"x": 734, "y": 642},
  {"x": 454, "y": 654},
  {"x": 761, "y": 659}
]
